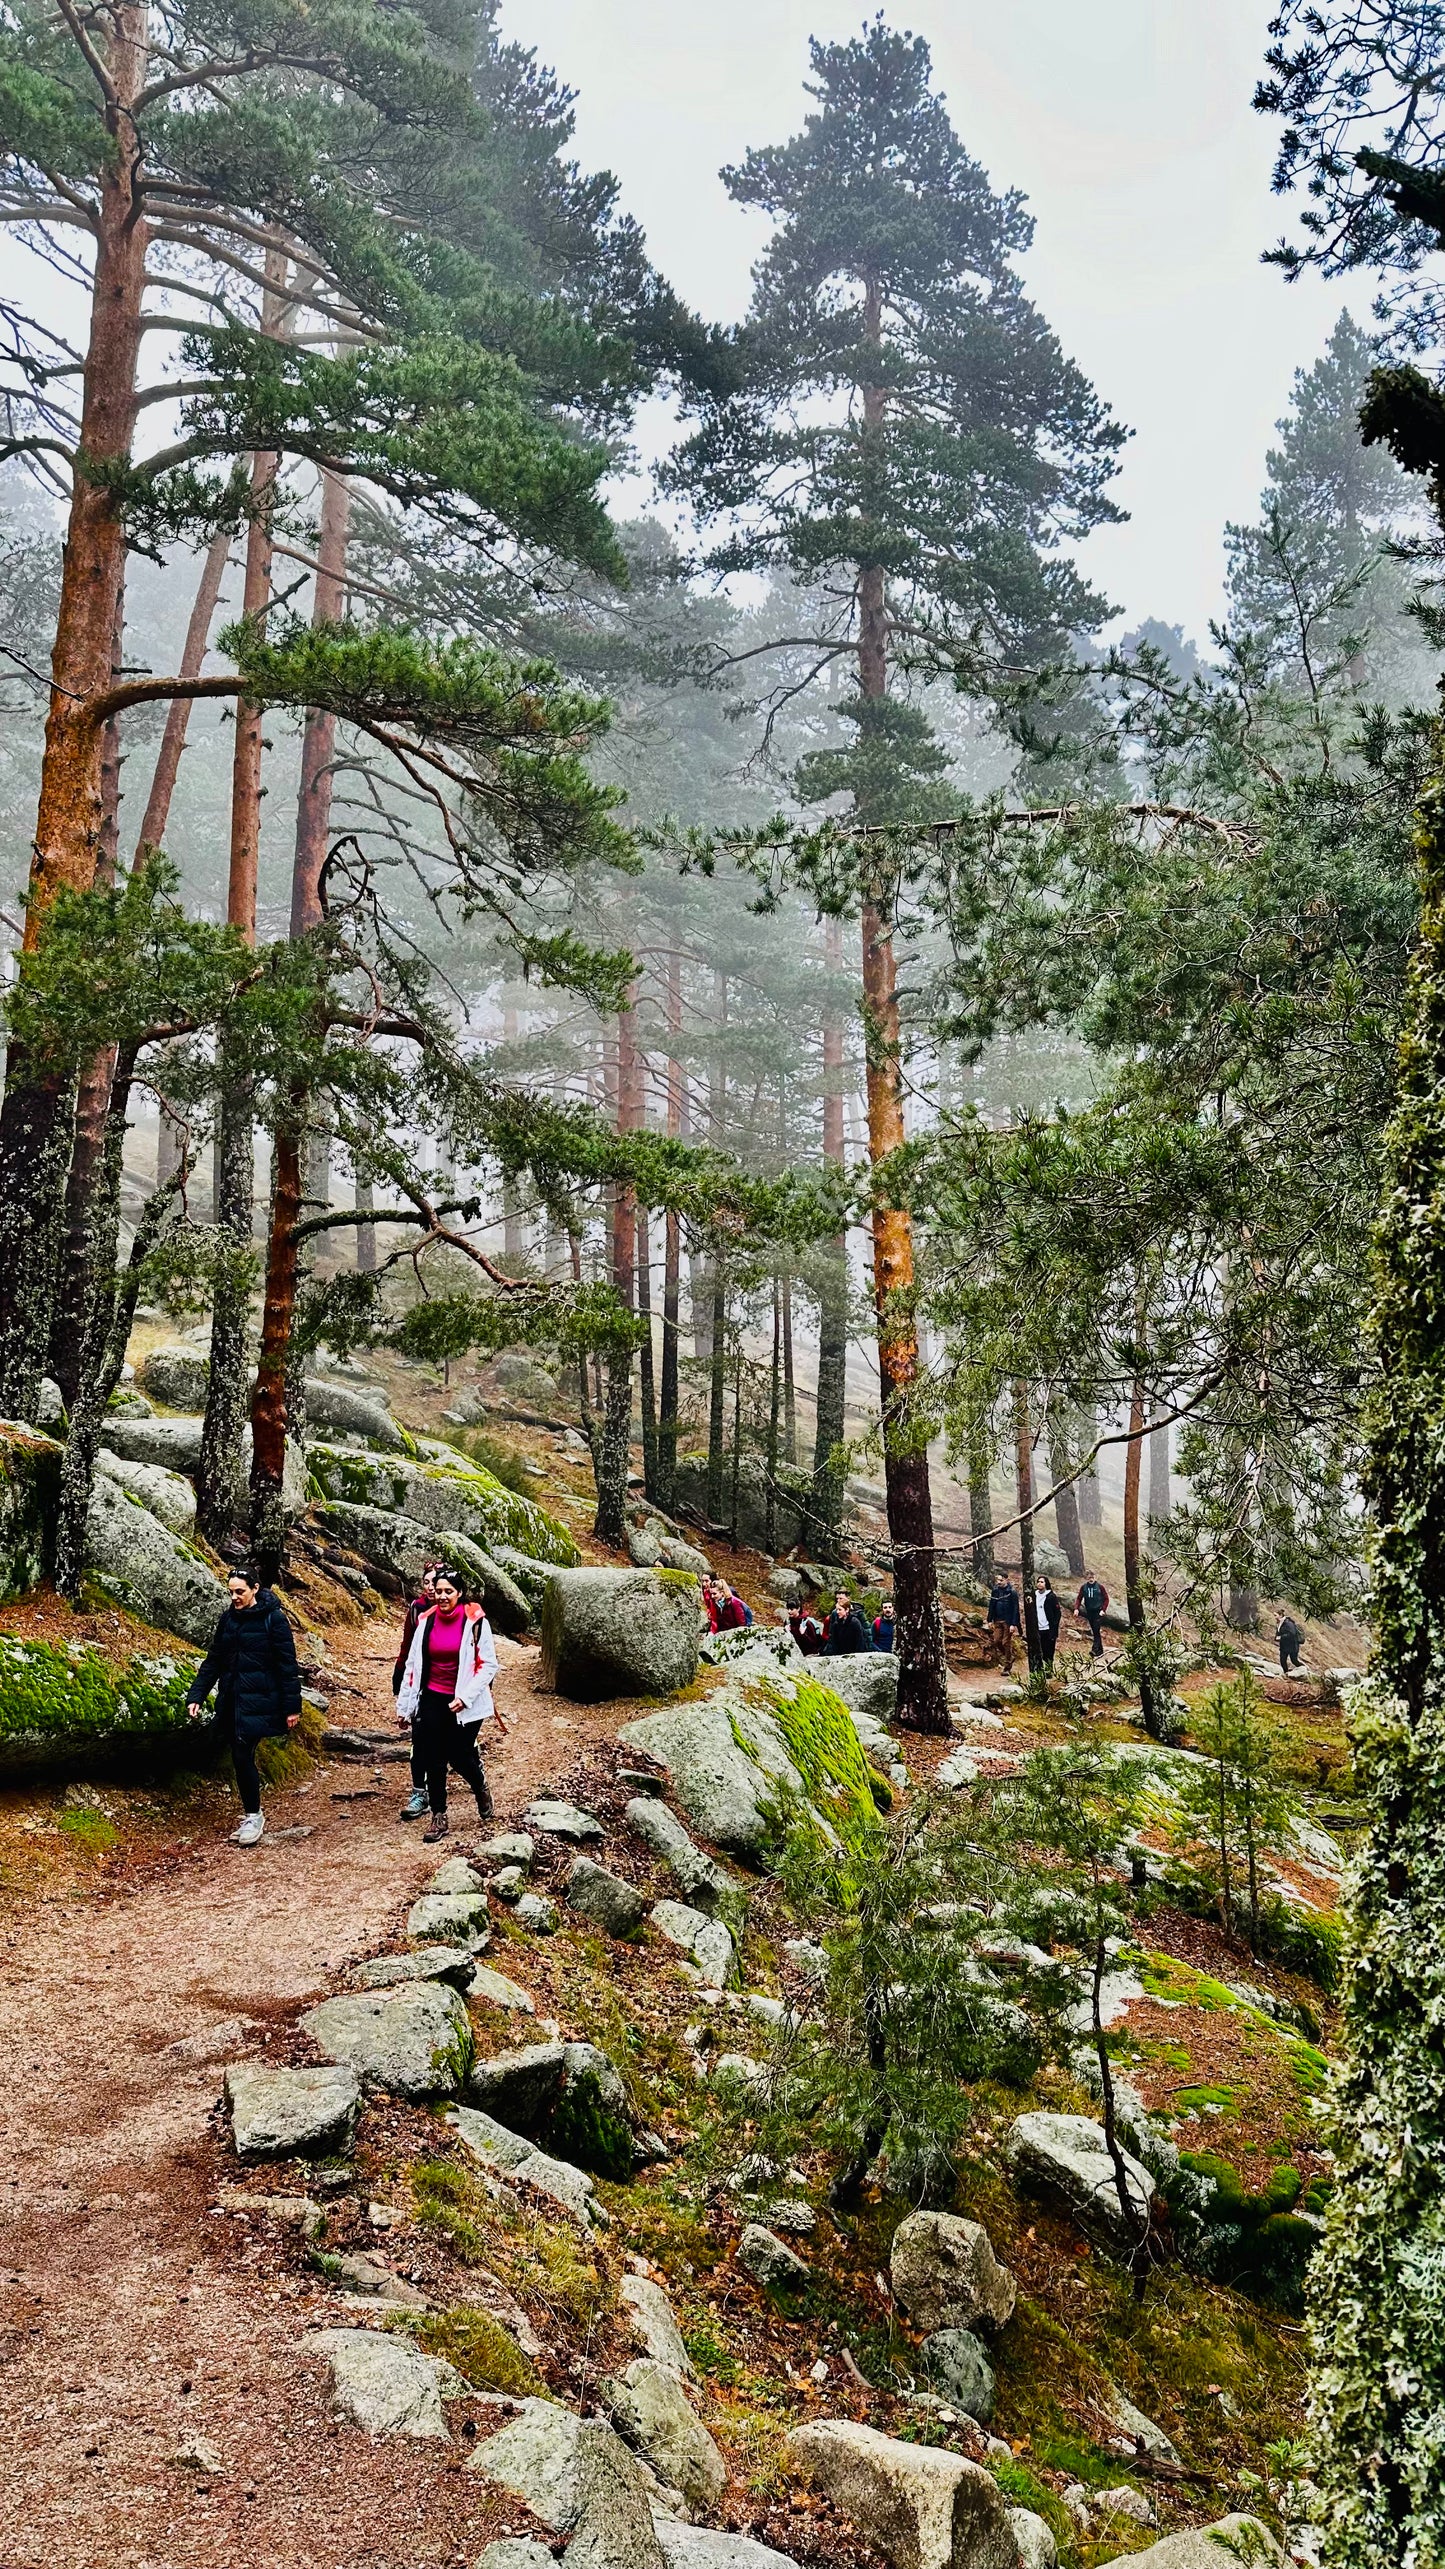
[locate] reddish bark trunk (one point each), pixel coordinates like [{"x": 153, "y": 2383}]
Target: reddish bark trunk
[
  {"x": 609, "y": 1524},
  {"x": 268, "y": 1401},
  {"x": 35, "y": 1129},
  {"x": 671, "y": 1255}
]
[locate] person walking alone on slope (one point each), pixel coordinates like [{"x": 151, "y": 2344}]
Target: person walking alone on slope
[
  {"x": 1092, "y": 1602},
  {"x": 446, "y": 1691},
  {"x": 252, "y": 1665},
  {"x": 1004, "y": 1620}
]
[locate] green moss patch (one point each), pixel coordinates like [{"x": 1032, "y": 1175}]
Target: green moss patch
[
  {"x": 59, "y": 1702},
  {"x": 480, "y": 2347}
]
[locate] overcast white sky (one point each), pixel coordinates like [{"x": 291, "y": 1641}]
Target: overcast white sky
[{"x": 1128, "y": 125}]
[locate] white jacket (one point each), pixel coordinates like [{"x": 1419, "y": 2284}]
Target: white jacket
[{"x": 476, "y": 1668}]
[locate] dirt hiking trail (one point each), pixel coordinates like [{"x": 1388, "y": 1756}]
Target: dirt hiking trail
[{"x": 132, "y": 2333}]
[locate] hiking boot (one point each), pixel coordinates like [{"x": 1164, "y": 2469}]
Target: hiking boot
[
  {"x": 414, "y": 1807},
  {"x": 437, "y": 1827},
  {"x": 252, "y": 1827}
]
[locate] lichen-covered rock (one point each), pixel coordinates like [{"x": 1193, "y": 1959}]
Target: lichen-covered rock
[
  {"x": 291, "y": 2113},
  {"x": 69, "y": 1712},
  {"x": 619, "y": 1632},
  {"x": 402, "y": 1546},
  {"x": 414, "y": 2041},
  {"x": 769, "y": 2260},
  {"x": 945, "y": 2275},
  {"x": 926, "y": 2509},
  {"x": 386, "y": 2385},
  {"x": 493, "y": 1989},
  {"x": 648, "y": 2403},
  {"x": 705, "y": 1939},
  {"x": 176, "y": 1376},
  {"x": 604, "y": 1897},
  {"x": 868, "y": 1683},
  {"x": 29, "y": 1498},
  {"x": 174, "y": 1443},
  {"x": 1065, "y": 2157},
  {"x": 451, "y": 1917},
  {"x": 653, "y": 2324},
  {"x": 1037, "y": 2547},
  {"x": 771, "y": 1745},
  {"x": 434, "y": 1962},
  {"x": 1206, "y": 2546},
  {"x": 522, "y": 2163},
  {"x": 577, "y": 2476},
  {"x": 519, "y": 2087},
  {"x": 699, "y": 2546},
  {"x": 701, "y": 1880},
  {"x": 439, "y": 1489},
  {"x": 563, "y": 1820},
  {"x": 167, "y": 1495},
  {"x": 158, "y": 1575},
  {"x": 957, "y": 2367},
  {"x": 360, "y": 1416}
]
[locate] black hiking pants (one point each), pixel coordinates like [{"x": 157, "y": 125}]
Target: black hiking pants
[{"x": 440, "y": 1741}]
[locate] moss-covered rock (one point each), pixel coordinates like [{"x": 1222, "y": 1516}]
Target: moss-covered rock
[
  {"x": 67, "y": 1711},
  {"x": 29, "y": 1498},
  {"x": 620, "y": 1632},
  {"x": 445, "y": 1493},
  {"x": 400, "y": 1545},
  {"x": 156, "y": 1574}
]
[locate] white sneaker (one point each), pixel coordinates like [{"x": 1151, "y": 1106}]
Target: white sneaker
[{"x": 252, "y": 1827}]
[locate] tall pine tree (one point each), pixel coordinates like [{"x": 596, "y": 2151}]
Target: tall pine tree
[{"x": 906, "y": 438}]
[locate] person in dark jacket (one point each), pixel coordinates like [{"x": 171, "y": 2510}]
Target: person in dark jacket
[
  {"x": 414, "y": 1807},
  {"x": 806, "y": 1630},
  {"x": 1092, "y": 1603},
  {"x": 1290, "y": 1637},
  {"x": 251, "y": 1664},
  {"x": 846, "y": 1630},
  {"x": 1004, "y": 1621},
  {"x": 883, "y": 1626}
]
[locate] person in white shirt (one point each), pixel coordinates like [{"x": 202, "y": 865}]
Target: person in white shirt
[{"x": 445, "y": 1693}]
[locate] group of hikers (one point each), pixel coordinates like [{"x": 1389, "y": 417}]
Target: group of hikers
[
  {"x": 1005, "y": 1621},
  {"x": 442, "y": 1682},
  {"x": 447, "y": 1663}
]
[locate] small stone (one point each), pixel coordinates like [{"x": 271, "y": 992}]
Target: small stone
[
  {"x": 1036, "y": 2545},
  {"x": 648, "y": 2404},
  {"x": 197, "y": 2455},
  {"x": 411, "y": 2041},
  {"x": 456, "y": 1875},
  {"x": 1234, "y": 2537},
  {"x": 287, "y": 2113},
  {"x": 1065, "y": 2156},
  {"x": 790, "y": 2214},
  {"x": 563, "y": 1820},
  {"x": 450, "y": 1918},
  {"x": 519, "y": 2087},
  {"x": 605, "y": 1898},
  {"x": 1128, "y": 2503},
  {"x": 433, "y": 1962},
  {"x": 496, "y": 1990},
  {"x": 945, "y": 2275},
  {"x": 705, "y": 1939},
  {"x": 702, "y": 1880},
  {"x": 959, "y": 2369},
  {"x": 385, "y": 2385},
  {"x": 513, "y": 1847},
  {"x": 369, "y": 2276},
  {"x": 769, "y": 2260},
  {"x": 654, "y": 2325},
  {"x": 924, "y": 2508},
  {"x": 578, "y": 2478},
  {"x": 521, "y": 2163},
  {"x": 537, "y": 1914},
  {"x": 509, "y": 1884},
  {"x": 638, "y": 1781},
  {"x": 298, "y": 2211}
]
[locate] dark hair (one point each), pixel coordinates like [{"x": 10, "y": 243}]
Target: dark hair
[{"x": 246, "y": 1570}]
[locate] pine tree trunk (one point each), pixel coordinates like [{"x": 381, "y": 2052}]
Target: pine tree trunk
[
  {"x": 614, "y": 1453},
  {"x": 831, "y": 1406},
  {"x": 1024, "y": 1483},
  {"x": 922, "y": 1671},
  {"x": 645, "y": 1355},
  {"x": 95, "y": 1376},
  {"x": 980, "y": 1504},
  {"x": 156, "y": 819},
  {"x": 790, "y": 1388},
  {"x": 667, "y": 1422},
  {"x": 918, "y": 1618},
  {"x": 1066, "y": 1507},
  {"x": 1159, "y": 1476},
  {"x": 717, "y": 1395},
  {"x": 219, "y": 1478},
  {"x": 35, "y": 1116},
  {"x": 775, "y": 1411},
  {"x": 269, "y": 1399},
  {"x": 365, "y": 1231},
  {"x": 1133, "y": 1549}
]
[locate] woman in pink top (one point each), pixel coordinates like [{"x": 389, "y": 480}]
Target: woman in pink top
[{"x": 445, "y": 1693}]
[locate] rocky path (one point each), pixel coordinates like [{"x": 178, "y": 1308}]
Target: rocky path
[{"x": 158, "y": 2413}]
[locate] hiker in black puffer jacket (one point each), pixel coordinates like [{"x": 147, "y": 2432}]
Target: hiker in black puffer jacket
[{"x": 252, "y": 1665}]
